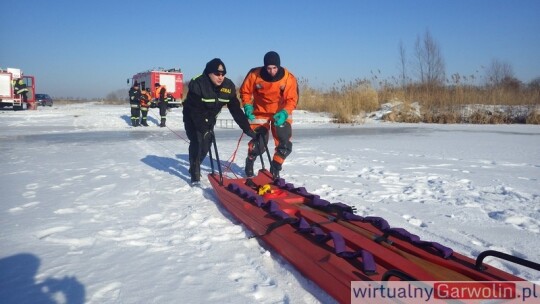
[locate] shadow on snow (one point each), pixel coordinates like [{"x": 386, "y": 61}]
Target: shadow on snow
[
  {"x": 179, "y": 166},
  {"x": 18, "y": 284}
]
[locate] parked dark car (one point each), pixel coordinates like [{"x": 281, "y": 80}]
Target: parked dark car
[{"x": 44, "y": 100}]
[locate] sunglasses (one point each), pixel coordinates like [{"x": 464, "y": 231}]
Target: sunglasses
[{"x": 219, "y": 74}]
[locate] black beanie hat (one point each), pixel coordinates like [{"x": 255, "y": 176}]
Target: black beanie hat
[
  {"x": 213, "y": 66},
  {"x": 272, "y": 58}
]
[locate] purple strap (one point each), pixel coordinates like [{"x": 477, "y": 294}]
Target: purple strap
[
  {"x": 343, "y": 207},
  {"x": 303, "y": 192},
  {"x": 303, "y": 225},
  {"x": 288, "y": 187},
  {"x": 352, "y": 217},
  {"x": 232, "y": 187},
  {"x": 280, "y": 182},
  {"x": 368, "y": 262},
  {"x": 257, "y": 200},
  {"x": 403, "y": 234},
  {"x": 378, "y": 222},
  {"x": 445, "y": 251},
  {"x": 318, "y": 202},
  {"x": 319, "y": 234}
]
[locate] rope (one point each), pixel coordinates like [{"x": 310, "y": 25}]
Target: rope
[
  {"x": 233, "y": 157},
  {"x": 166, "y": 126}
]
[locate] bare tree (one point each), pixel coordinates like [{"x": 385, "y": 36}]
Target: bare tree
[
  {"x": 118, "y": 96},
  {"x": 535, "y": 84},
  {"x": 498, "y": 72},
  {"x": 430, "y": 64},
  {"x": 402, "y": 64}
]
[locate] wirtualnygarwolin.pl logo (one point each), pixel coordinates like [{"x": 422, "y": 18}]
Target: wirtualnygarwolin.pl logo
[{"x": 444, "y": 291}]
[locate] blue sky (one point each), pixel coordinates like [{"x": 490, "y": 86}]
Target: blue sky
[{"x": 89, "y": 48}]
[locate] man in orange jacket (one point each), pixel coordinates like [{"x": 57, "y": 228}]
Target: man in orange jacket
[
  {"x": 146, "y": 101},
  {"x": 269, "y": 95},
  {"x": 160, "y": 95}
]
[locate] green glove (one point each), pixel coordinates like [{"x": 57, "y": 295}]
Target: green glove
[
  {"x": 280, "y": 117},
  {"x": 248, "y": 109}
]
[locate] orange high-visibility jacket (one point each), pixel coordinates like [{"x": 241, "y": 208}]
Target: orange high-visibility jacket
[
  {"x": 160, "y": 95},
  {"x": 146, "y": 98},
  {"x": 268, "y": 98}
]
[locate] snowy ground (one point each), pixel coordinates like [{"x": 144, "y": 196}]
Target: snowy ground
[{"x": 96, "y": 211}]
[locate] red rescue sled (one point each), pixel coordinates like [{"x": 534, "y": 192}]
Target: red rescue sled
[
  {"x": 341, "y": 250},
  {"x": 331, "y": 246}
]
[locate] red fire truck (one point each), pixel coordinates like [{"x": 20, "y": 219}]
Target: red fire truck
[
  {"x": 173, "y": 79},
  {"x": 8, "y": 96}
]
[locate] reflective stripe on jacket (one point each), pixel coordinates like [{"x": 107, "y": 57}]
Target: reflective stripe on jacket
[{"x": 204, "y": 102}]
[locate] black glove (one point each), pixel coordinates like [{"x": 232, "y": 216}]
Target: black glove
[{"x": 251, "y": 133}]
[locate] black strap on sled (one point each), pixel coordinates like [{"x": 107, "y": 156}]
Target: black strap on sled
[
  {"x": 398, "y": 274},
  {"x": 504, "y": 256},
  {"x": 302, "y": 226},
  {"x": 217, "y": 158},
  {"x": 276, "y": 224},
  {"x": 346, "y": 212}
]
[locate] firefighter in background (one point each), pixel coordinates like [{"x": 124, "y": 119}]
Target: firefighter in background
[
  {"x": 269, "y": 95},
  {"x": 207, "y": 94},
  {"x": 160, "y": 96},
  {"x": 19, "y": 87},
  {"x": 146, "y": 101},
  {"x": 134, "y": 102}
]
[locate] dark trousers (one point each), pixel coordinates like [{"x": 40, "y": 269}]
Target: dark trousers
[
  {"x": 199, "y": 145},
  {"x": 135, "y": 113},
  {"x": 24, "y": 96},
  {"x": 144, "y": 112},
  {"x": 282, "y": 140},
  {"x": 163, "y": 111}
]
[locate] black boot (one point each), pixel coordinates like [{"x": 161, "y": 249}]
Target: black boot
[
  {"x": 143, "y": 123},
  {"x": 162, "y": 123},
  {"x": 134, "y": 122},
  {"x": 195, "y": 172},
  {"x": 275, "y": 167},
  {"x": 249, "y": 167}
]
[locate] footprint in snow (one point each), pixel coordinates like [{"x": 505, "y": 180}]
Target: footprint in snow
[
  {"x": 50, "y": 231},
  {"x": 107, "y": 293},
  {"x": 32, "y": 186},
  {"x": 66, "y": 211},
  {"x": 25, "y": 206},
  {"x": 414, "y": 221},
  {"x": 29, "y": 194},
  {"x": 331, "y": 168}
]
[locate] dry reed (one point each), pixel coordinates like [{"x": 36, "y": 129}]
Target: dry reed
[{"x": 459, "y": 101}]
